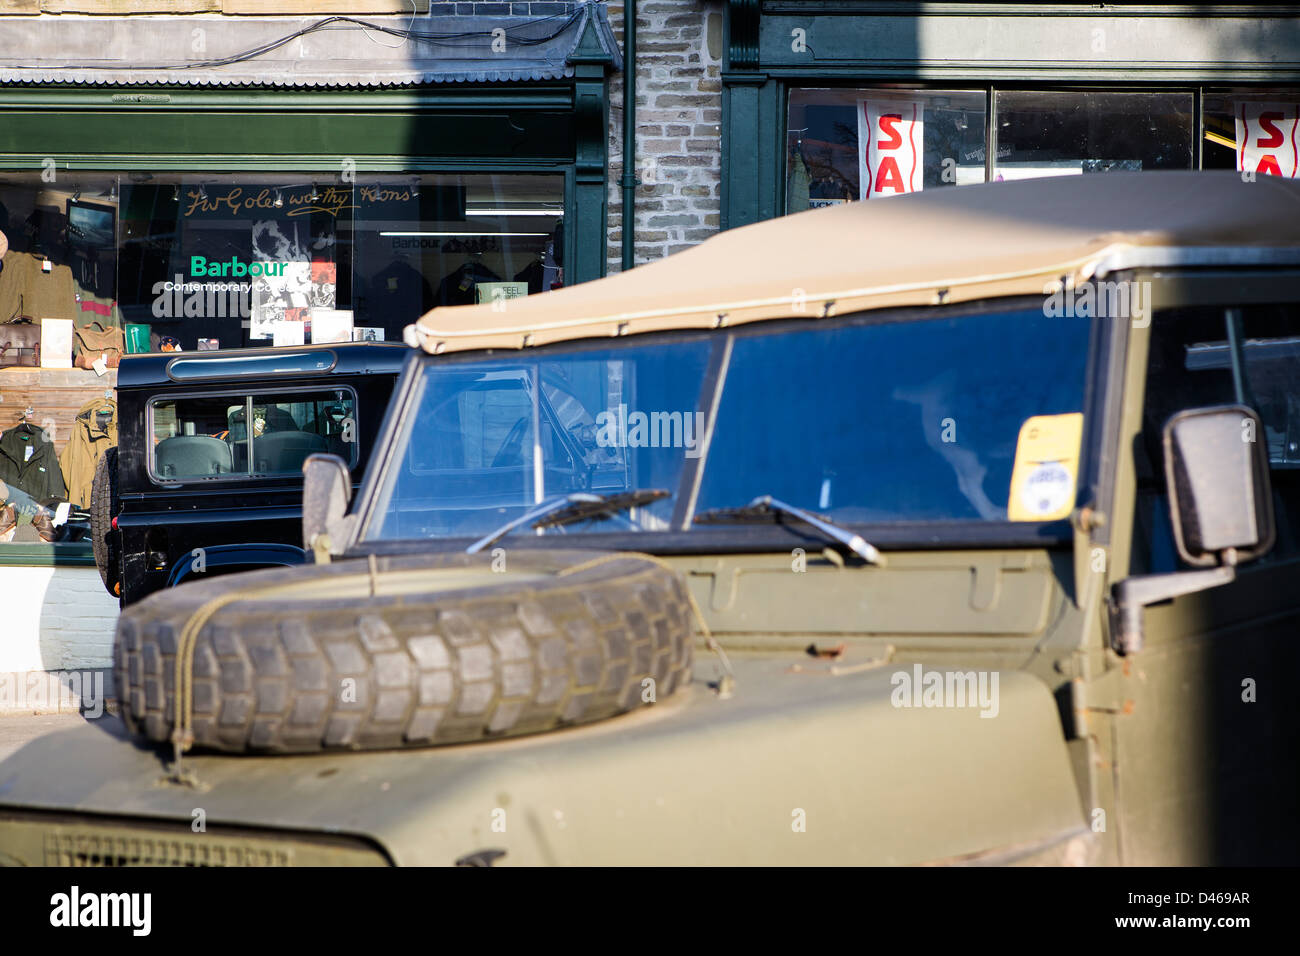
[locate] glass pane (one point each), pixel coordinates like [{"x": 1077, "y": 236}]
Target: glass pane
[
  {"x": 922, "y": 422},
  {"x": 228, "y": 260},
  {"x": 852, "y": 144},
  {"x": 193, "y": 439},
  {"x": 289, "y": 427},
  {"x": 244, "y": 366},
  {"x": 1252, "y": 130},
  {"x": 1069, "y": 133},
  {"x": 606, "y": 421},
  {"x": 203, "y": 438}
]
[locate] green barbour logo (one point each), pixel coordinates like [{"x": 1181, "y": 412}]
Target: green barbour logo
[{"x": 234, "y": 267}]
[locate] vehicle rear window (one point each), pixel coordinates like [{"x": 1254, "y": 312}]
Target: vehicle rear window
[{"x": 209, "y": 437}]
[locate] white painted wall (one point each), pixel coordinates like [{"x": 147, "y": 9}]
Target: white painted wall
[{"x": 55, "y": 619}]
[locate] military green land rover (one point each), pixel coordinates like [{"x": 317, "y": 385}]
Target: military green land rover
[{"x": 961, "y": 527}]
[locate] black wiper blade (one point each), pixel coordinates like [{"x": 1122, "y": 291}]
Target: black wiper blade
[
  {"x": 767, "y": 508},
  {"x": 576, "y": 505},
  {"x": 605, "y": 505}
]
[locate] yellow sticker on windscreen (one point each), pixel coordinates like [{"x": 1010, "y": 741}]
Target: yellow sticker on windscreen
[{"x": 1045, "y": 475}]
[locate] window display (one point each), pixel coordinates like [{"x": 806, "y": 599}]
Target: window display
[
  {"x": 97, "y": 265},
  {"x": 1066, "y": 133},
  {"x": 844, "y": 145},
  {"x": 1252, "y": 131},
  {"x": 851, "y": 144}
]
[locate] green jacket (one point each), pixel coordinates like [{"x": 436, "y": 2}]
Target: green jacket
[
  {"x": 89, "y": 440},
  {"x": 36, "y": 472}
]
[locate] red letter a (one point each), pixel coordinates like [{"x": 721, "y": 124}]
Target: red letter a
[
  {"x": 888, "y": 176},
  {"x": 1268, "y": 165}
]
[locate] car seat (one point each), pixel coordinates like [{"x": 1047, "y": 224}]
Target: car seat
[
  {"x": 284, "y": 452},
  {"x": 192, "y": 456}
]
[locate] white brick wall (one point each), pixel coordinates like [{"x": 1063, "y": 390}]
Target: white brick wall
[
  {"x": 55, "y": 619},
  {"x": 679, "y": 128},
  {"x": 56, "y": 640}
]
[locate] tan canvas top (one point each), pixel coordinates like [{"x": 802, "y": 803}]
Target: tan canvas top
[{"x": 940, "y": 245}]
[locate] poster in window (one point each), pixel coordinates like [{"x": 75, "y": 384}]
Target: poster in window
[
  {"x": 1267, "y": 138},
  {"x": 891, "y": 145},
  {"x": 304, "y": 275}
]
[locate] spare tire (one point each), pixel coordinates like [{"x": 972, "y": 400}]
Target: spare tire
[
  {"x": 103, "y": 506},
  {"x": 406, "y": 651}
]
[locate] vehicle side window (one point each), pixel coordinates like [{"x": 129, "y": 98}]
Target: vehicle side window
[
  {"x": 1190, "y": 365},
  {"x": 209, "y": 437}
]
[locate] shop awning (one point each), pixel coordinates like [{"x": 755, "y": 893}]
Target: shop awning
[
  {"x": 953, "y": 244},
  {"x": 322, "y": 51}
]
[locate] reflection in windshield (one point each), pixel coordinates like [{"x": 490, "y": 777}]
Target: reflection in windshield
[
  {"x": 488, "y": 440},
  {"x": 863, "y": 422}
]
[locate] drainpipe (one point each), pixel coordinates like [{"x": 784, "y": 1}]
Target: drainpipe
[{"x": 629, "y": 133}]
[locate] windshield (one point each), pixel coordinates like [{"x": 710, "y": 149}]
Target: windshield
[{"x": 860, "y": 420}]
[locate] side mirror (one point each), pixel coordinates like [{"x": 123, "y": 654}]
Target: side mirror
[
  {"x": 1220, "y": 502},
  {"x": 326, "y": 494},
  {"x": 1221, "y": 507}
]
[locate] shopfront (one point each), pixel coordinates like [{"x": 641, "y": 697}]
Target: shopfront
[
  {"x": 329, "y": 189},
  {"x": 848, "y": 101}
]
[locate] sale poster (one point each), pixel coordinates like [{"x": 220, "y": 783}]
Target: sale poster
[
  {"x": 891, "y": 145},
  {"x": 1267, "y": 142}
]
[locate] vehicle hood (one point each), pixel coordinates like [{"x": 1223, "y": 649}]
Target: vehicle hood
[{"x": 808, "y": 762}]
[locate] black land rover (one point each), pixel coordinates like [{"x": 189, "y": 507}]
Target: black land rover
[{"x": 207, "y": 475}]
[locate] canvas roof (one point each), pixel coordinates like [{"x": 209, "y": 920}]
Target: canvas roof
[{"x": 939, "y": 245}]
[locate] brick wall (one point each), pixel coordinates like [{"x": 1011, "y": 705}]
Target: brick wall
[
  {"x": 679, "y": 120},
  {"x": 56, "y": 620}
]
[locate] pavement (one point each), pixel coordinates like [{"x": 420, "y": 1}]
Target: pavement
[{"x": 15, "y": 731}]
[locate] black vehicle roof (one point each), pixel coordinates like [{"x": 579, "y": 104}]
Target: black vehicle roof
[{"x": 350, "y": 358}]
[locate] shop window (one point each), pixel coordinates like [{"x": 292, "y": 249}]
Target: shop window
[
  {"x": 852, "y": 144},
  {"x": 197, "y": 261},
  {"x": 199, "y": 439},
  {"x": 99, "y": 264},
  {"x": 1256, "y": 132},
  {"x": 260, "y": 260},
  {"x": 847, "y": 145},
  {"x": 1069, "y": 133}
]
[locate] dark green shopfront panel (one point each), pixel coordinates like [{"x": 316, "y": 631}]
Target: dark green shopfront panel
[
  {"x": 537, "y": 136},
  {"x": 83, "y": 125}
]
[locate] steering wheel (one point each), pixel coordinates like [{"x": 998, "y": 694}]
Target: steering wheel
[{"x": 511, "y": 450}]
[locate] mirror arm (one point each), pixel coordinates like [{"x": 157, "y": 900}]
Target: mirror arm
[{"x": 1132, "y": 595}]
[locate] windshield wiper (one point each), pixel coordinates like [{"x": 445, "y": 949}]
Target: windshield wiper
[
  {"x": 569, "y": 508},
  {"x": 766, "y": 506},
  {"x": 603, "y": 505}
]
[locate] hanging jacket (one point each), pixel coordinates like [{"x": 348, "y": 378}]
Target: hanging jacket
[
  {"x": 28, "y": 463},
  {"x": 88, "y": 442},
  {"x": 98, "y": 308},
  {"x": 25, "y": 288}
]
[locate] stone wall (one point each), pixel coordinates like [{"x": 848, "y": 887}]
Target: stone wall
[{"x": 679, "y": 122}]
